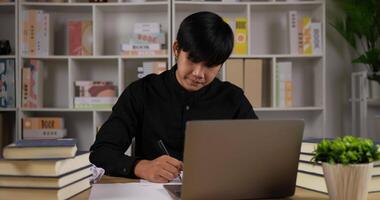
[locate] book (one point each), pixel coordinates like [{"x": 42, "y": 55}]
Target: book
[
  {"x": 234, "y": 72},
  {"x": 148, "y": 38},
  {"x": 36, "y": 134},
  {"x": 43, "y": 123},
  {"x": 284, "y": 84},
  {"x": 306, "y": 33},
  {"x": 44, "y": 167},
  {"x": 293, "y": 31},
  {"x": 144, "y": 28},
  {"x": 161, "y": 52},
  {"x": 253, "y": 81},
  {"x": 80, "y": 37},
  {"x": 316, "y": 37},
  {"x": 32, "y": 84},
  {"x": 140, "y": 47},
  {"x": 37, "y": 33},
  {"x": 7, "y": 83},
  {"x": 317, "y": 182},
  {"x": 94, "y": 102},
  {"x": 43, "y": 193},
  {"x": 45, "y": 182},
  {"x": 151, "y": 67},
  {"x": 241, "y": 37},
  {"x": 41, "y": 149},
  {"x": 95, "y": 89}
]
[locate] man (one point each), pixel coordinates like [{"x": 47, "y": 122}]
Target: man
[{"x": 156, "y": 107}]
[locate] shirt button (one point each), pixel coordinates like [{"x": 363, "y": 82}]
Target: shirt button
[
  {"x": 187, "y": 107},
  {"x": 124, "y": 170}
]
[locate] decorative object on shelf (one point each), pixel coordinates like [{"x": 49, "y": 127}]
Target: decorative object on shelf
[
  {"x": 361, "y": 29},
  {"x": 5, "y": 47},
  {"x": 7, "y": 83},
  {"x": 346, "y": 165},
  {"x": 80, "y": 37}
]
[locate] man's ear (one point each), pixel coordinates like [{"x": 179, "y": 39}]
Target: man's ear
[{"x": 176, "y": 49}]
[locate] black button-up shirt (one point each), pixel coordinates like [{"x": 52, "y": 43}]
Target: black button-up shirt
[{"x": 155, "y": 108}]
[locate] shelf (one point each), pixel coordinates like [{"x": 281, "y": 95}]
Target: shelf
[
  {"x": 289, "y": 109},
  {"x": 7, "y": 109},
  {"x": 88, "y": 57},
  {"x": 269, "y": 3},
  {"x": 9, "y": 4},
  {"x": 276, "y": 56},
  {"x": 144, "y": 57},
  {"x": 55, "y": 110},
  {"x": 95, "y": 4},
  {"x": 7, "y": 57},
  {"x": 374, "y": 102},
  {"x": 46, "y": 57}
]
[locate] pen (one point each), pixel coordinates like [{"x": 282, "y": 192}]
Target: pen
[{"x": 163, "y": 148}]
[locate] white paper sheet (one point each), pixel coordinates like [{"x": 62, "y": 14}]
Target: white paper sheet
[{"x": 132, "y": 191}]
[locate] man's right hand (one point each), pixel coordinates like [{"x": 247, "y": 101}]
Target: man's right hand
[{"x": 160, "y": 170}]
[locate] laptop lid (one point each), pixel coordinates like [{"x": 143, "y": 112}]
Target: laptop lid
[{"x": 241, "y": 159}]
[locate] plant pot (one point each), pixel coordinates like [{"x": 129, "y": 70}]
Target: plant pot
[
  {"x": 347, "y": 182},
  {"x": 373, "y": 89}
]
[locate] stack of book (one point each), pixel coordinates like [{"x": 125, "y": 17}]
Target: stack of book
[
  {"x": 147, "y": 39},
  {"x": 32, "y": 84},
  {"x": 80, "y": 37},
  {"x": 43, "y": 169},
  {"x": 35, "y": 128},
  {"x": 37, "y": 33},
  {"x": 7, "y": 83},
  {"x": 151, "y": 67},
  {"x": 95, "y": 94},
  {"x": 310, "y": 175},
  {"x": 240, "y": 28},
  {"x": 305, "y": 36}
]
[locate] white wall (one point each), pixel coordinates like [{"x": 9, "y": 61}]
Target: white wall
[{"x": 338, "y": 76}]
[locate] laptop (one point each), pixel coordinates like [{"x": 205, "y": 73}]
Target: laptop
[{"x": 240, "y": 159}]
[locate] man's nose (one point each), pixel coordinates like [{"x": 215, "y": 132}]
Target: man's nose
[{"x": 198, "y": 71}]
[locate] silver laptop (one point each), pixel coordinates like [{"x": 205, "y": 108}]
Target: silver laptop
[{"x": 240, "y": 159}]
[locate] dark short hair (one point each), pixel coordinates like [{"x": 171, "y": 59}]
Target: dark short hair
[{"x": 206, "y": 37}]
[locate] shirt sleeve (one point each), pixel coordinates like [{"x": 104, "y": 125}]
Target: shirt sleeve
[
  {"x": 245, "y": 109},
  {"x": 116, "y": 134}
]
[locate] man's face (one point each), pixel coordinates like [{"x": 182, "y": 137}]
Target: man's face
[{"x": 194, "y": 76}]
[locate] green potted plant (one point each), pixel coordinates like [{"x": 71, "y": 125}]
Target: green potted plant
[
  {"x": 347, "y": 163},
  {"x": 360, "y": 27}
]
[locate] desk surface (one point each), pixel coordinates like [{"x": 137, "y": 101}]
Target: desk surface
[{"x": 300, "y": 193}]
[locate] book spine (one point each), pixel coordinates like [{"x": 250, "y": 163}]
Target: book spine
[
  {"x": 25, "y": 32},
  {"x": 9, "y": 93},
  {"x": 293, "y": 31},
  {"x": 95, "y": 100},
  {"x": 162, "y": 52},
  {"x": 148, "y": 38},
  {"x": 285, "y": 85},
  {"x": 43, "y": 123},
  {"x": 32, "y": 15},
  {"x": 36, "y": 95},
  {"x": 316, "y": 34},
  {"x": 307, "y": 46},
  {"x": 241, "y": 38},
  {"x": 30, "y": 134},
  {"x": 300, "y": 36},
  {"x": 39, "y": 32},
  {"x": 146, "y": 28},
  {"x": 26, "y": 73},
  {"x": 138, "y": 47}
]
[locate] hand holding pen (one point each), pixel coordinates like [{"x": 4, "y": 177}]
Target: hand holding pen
[
  {"x": 161, "y": 170},
  {"x": 165, "y": 150}
]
